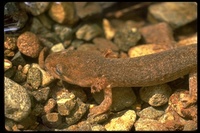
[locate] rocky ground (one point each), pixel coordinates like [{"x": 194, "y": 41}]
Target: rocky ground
[{"x": 36, "y": 101}]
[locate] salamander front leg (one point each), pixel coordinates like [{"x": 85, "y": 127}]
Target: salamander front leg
[{"x": 105, "y": 105}]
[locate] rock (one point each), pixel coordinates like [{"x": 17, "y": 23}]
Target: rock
[
  {"x": 87, "y": 47},
  {"x": 63, "y": 32},
  {"x": 151, "y": 113},
  {"x": 7, "y": 64},
  {"x": 144, "y": 124},
  {"x": 10, "y": 43},
  {"x": 28, "y": 44},
  {"x": 146, "y": 49},
  {"x": 35, "y": 8},
  {"x": 97, "y": 119},
  {"x": 57, "y": 47},
  {"x": 123, "y": 121},
  {"x": 103, "y": 44},
  {"x": 18, "y": 59},
  {"x": 34, "y": 77},
  {"x": 46, "y": 77},
  {"x": 8, "y": 53},
  {"x": 19, "y": 77},
  {"x": 188, "y": 41},
  {"x": 126, "y": 37},
  {"x": 38, "y": 110},
  {"x": 37, "y": 27},
  {"x": 81, "y": 126},
  {"x": 88, "y": 31},
  {"x": 176, "y": 14},
  {"x": 17, "y": 103},
  {"x": 158, "y": 95},
  {"x": 41, "y": 95},
  {"x": 122, "y": 97},
  {"x": 87, "y": 10},
  {"x": 190, "y": 126},
  {"x": 50, "y": 105},
  {"x": 108, "y": 29},
  {"x": 29, "y": 123},
  {"x": 52, "y": 120},
  {"x": 26, "y": 68},
  {"x": 46, "y": 21},
  {"x": 160, "y": 34},
  {"x": 9, "y": 124},
  {"x": 63, "y": 12},
  {"x": 10, "y": 72}
]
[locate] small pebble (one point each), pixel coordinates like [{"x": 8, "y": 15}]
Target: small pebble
[
  {"x": 126, "y": 37},
  {"x": 10, "y": 72},
  {"x": 158, "y": 95},
  {"x": 52, "y": 120},
  {"x": 10, "y": 43},
  {"x": 41, "y": 95},
  {"x": 108, "y": 29},
  {"x": 63, "y": 12},
  {"x": 151, "y": 113},
  {"x": 63, "y": 32},
  {"x": 88, "y": 31},
  {"x": 28, "y": 44},
  {"x": 145, "y": 124},
  {"x": 7, "y": 64},
  {"x": 87, "y": 47},
  {"x": 8, "y": 53},
  {"x": 18, "y": 59},
  {"x": 50, "y": 105},
  {"x": 146, "y": 49},
  {"x": 19, "y": 77},
  {"x": 17, "y": 103},
  {"x": 57, "y": 47},
  {"x": 26, "y": 68},
  {"x": 122, "y": 121},
  {"x": 38, "y": 110},
  {"x": 176, "y": 14},
  {"x": 123, "y": 97},
  {"x": 34, "y": 77}
]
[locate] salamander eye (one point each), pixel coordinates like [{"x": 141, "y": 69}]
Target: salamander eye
[{"x": 58, "y": 69}]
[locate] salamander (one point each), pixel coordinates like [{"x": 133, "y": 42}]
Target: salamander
[{"x": 92, "y": 69}]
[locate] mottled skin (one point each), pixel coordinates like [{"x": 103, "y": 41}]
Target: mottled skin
[{"x": 91, "y": 69}]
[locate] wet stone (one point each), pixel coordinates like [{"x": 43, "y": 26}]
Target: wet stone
[
  {"x": 34, "y": 77},
  {"x": 18, "y": 59},
  {"x": 162, "y": 36},
  {"x": 35, "y": 8},
  {"x": 17, "y": 103},
  {"x": 28, "y": 44},
  {"x": 52, "y": 120},
  {"x": 158, "y": 95},
  {"x": 63, "y": 32},
  {"x": 41, "y": 95},
  {"x": 50, "y": 105},
  {"x": 89, "y": 31},
  {"x": 103, "y": 44},
  {"x": 151, "y": 113},
  {"x": 176, "y": 14},
  {"x": 122, "y": 121},
  {"x": 122, "y": 97},
  {"x": 145, "y": 124},
  {"x": 126, "y": 37},
  {"x": 77, "y": 113},
  {"x": 63, "y": 12}
]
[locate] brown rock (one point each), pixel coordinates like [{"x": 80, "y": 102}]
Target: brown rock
[
  {"x": 28, "y": 44},
  {"x": 34, "y": 77},
  {"x": 10, "y": 43},
  {"x": 50, "y": 105},
  {"x": 52, "y": 120}
]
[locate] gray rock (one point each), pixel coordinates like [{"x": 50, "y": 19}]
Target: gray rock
[
  {"x": 17, "y": 102},
  {"x": 18, "y": 59},
  {"x": 63, "y": 32},
  {"x": 151, "y": 113},
  {"x": 122, "y": 97},
  {"x": 34, "y": 77},
  {"x": 41, "y": 95}
]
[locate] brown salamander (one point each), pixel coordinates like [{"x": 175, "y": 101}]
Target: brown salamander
[{"x": 91, "y": 69}]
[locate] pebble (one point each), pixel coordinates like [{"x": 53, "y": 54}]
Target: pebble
[
  {"x": 37, "y": 27},
  {"x": 176, "y": 14},
  {"x": 28, "y": 44},
  {"x": 52, "y": 120},
  {"x": 7, "y": 64},
  {"x": 35, "y": 8},
  {"x": 158, "y": 95},
  {"x": 50, "y": 105},
  {"x": 126, "y": 37},
  {"x": 57, "y": 47},
  {"x": 46, "y": 77},
  {"x": 10, "y": 72},
  {"x": 145, "y": 124},
  {"x": 10, "y": 43},
  {"x": 162, "y": 36},
  {"x": 34, "y": 77},
  {"x": 65, "y": 102},
  {"x": 146, "y": 49},
  {"x": 89, "y": 31},
  {"x": 18, "y": 59},
  {"x": 63, "y": 32},
  {"x": 46, "y": 21},
  {"x": 17, "y": 103},
  {"x": 123, "y": 97},
  {"x": 26, "y": 68},
  {"x": 78, "y": 112},
  {"x": 108, "y": 29},
  {"x": 87, "y": 10},
  {"x": 38, "y": 110},
  {"x": 103, "y": 44},
  {"x": 122, "y": 121},
  {"x": 19, "y": 77},
  {"x": 8, "y": 53},
  {"x": 63, "y": 12},
  {"x": 41, "y": 95},
  {"x": 151, "y": 113},
  {"x": 87, "y": 47},
  {"x": 29, "y": 123}
]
